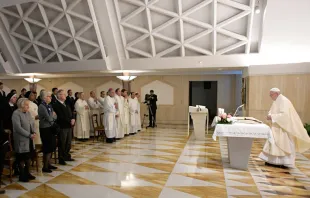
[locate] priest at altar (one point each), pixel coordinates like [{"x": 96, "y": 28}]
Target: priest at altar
[
  {"x": 82, "y": 125},
  {"x": 120, "y": 112},
  {"x": 94, "y": 106},
  {"x": 109, "y": 118},
  {"x": 288, "y": 131}
]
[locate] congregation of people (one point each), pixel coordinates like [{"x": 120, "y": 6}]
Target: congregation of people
[{"x": 50, "y": 121}]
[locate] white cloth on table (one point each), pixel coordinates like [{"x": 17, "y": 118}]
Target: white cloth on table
[
  {"x": 243, "y": 130},
  {"x": 109, "y": 120}
]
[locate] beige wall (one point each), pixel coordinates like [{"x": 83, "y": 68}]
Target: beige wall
[
  {"x": 177, "y": 113},
  {"x": 228, "y": 93},
  {"x": 296, "y": 87}
]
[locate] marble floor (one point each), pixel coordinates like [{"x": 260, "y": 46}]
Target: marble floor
[{"x": 166, "y": 163}]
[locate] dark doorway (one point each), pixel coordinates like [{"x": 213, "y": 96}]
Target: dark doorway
[{"x": 204, "y": 93}]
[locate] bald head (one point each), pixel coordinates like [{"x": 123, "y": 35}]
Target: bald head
[{"x": 274, "y": 93}]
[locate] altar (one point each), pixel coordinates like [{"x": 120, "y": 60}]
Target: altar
[{"x": 240, "y": 136}]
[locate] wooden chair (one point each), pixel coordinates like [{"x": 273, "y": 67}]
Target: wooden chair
[
  {"x": 101, "y": 119},
  {"x": 97, "y": 127},
  {"x": 9, "y": 158},
  {"x": 35, "y": 156}
]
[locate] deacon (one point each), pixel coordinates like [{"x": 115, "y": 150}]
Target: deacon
[
  {"x": 133, "y": 110},
  {"x": 288, "y": 131},
  {"x": 109, "y": 119},
  {"x": 138, "y": 116},
  {"x": 94, "y": 105},
  {"x": 126, "y": 113},
  {"x": 82, "y": 127},
  {"x": 120, "y": 112}
]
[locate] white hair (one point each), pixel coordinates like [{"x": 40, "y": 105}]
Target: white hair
[
  {"x": 275, "y": 90},
  {"x": 21, "y": 102},
  {"x": 43, "y": 94}
]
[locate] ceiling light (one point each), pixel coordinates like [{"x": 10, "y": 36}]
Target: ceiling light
[
  {"x": 32, "y": 80},
  {"x": 257, "y": 10},
  {"x": 126, "y": 78}
]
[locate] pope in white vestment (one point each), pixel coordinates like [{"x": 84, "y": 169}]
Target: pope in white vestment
[
  {"x": 133, "y": 110},
  {"x": 109, "y": 118},
  {"x": 288, "y": 132},
  {"x": 126, "y": 112},
  {"x": 82, "y": 126},
  {"x": 138, "y": 116},
  {"x": 120, "y": 112},
  {"x": 94, "y": 106}
]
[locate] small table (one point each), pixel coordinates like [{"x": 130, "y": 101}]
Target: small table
[{"x": 240, "y": 137}]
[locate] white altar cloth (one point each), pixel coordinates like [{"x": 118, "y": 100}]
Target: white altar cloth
[{"x": 239, "y": 139}]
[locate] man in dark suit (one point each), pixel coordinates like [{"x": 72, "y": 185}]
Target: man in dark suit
[
  {"x": 2, "y": 93},
  {"x": 54, "y": 97},
  {"x": 3, "y": 149},
  {"x": 70, "y": 100},
  {"x": 22, "y": 93},
  {"x": 65, "y": 120},
  {"x": 151, "y": 101}
]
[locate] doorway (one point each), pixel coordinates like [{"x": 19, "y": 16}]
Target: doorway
[{"x": 204, "y": 93}]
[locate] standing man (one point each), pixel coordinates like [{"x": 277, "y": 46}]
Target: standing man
[
  {"x": 151, "y": 101},
  {"x": 54, "y": 95},
  {"x": 126, "y": 113},
  {"x": 133, "y": 104},
  {"x": 22, "y": 93},
  {"x": 82, "y": 126},
  {"x": 120, "y": 112},
  {"x": 288, "y": 131},
  {"x": 110, "y": 108},
  {"x": 70, "y": 100},
  {"x": 33, "y": 109},
  {"x": 4, "y": 144},
  {"x": 138, "y": 114},
  {"x": 94, "y": 106},
  {"x": 65, "y": 121},
  {"x": 2, "y": 93}
]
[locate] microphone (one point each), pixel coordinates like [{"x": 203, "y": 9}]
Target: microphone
[{"x": 238, "y": 110}]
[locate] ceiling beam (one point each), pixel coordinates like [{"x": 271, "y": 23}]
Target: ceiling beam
[{"x": 250, "y": 27}]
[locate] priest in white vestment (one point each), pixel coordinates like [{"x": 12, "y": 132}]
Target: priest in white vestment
[
  {"x": 94, "y": 106},
  {"x": 33, "y": 109},
  {"x": 82, "y": 125},
  {"x": 109, "y": 118},
  {"x": 288, "y": 132},
  {"x": 126, "y": 112},
  {"x": 133, "y": 110},
  {"x": 138, "y": 116},
  {"x": 101, "y": 101},
  {"x": 120, "y": 112}
]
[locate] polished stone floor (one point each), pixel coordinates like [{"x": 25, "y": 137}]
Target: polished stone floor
[{"x": 166, "y": 163}]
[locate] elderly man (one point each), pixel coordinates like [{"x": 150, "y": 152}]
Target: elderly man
[
  {"x": 120, "y": 112},
  {"x": 133, "y": 110},
  {"x": 94, "y": 105},
  {"x": 109, "y": 119},
  {"x": 288, "y": 131},
  {"x": 126, "y": 113},
  {"x": 138, "y": 116},
  {"x": 65, "y": 120}
]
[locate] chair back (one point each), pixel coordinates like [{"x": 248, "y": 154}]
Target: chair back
[
  {"x": 95, "y": 120},
  {"x": 9, "y": 134},
  {"x": 101, "y": 118}
]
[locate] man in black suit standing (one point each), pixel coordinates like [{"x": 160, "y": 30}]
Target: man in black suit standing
[
  {"x": 54, "y": 97},
  {"x": 2, "y": 93},
  {"x": 65, "y": 120},
  {"x": 151, "y": 101},
  {"x": 3, "y": 149},
  {"x": 70, "y": 100}
]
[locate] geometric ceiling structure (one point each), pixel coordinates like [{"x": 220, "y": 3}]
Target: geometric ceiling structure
[
  {"x": 165, "y": 28},
  {"x": 54, "y": 31}
]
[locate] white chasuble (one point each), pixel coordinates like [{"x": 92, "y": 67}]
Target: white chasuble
[
  {"x": 120, "y": 119},
  {"x": 101, "y": 101},
  {"x": 133, "y": 117},
  {"x": 82, "y": 125},
  {"x": 138, "y": 116},
  {"x": 289, "y": 134},
  {"x": 33, "y": 109},
  {"x": 126, "y": 117},
  {"x": 94, "y": 109},
  {"x": 109, "y": 120}
]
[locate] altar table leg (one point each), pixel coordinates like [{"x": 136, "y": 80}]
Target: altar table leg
[{"x": 239, "y": 150}]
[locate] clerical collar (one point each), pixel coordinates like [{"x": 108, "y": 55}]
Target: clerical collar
[{"x": 61, "y": 101}]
